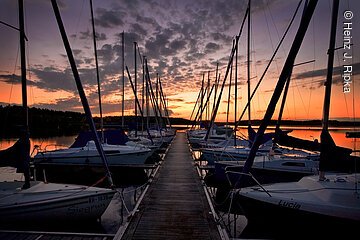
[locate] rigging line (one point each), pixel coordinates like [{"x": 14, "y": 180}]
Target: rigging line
[
  {"x": 271, "y": 41},
  {"x": 301, "y": 98},
  {"x": 276, "y": 29},
  {"x": 78, "y": 23}
]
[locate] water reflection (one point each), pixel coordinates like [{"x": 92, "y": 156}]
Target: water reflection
[
  {"x": 312, "y": 133},
  {"x": 50, "y": 143}
]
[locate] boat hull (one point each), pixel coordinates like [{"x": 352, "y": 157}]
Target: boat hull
[
  {"x": 275, "y": 220},
  {"x": 92, "y": 159},
  {"x": 49, "y": 202},
  {"x": 327, "y": 207}
]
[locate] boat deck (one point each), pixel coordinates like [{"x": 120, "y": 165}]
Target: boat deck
[{"x": 175, "y": 205}]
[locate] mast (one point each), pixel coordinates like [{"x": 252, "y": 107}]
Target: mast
[
  {"x": 208, "y": 90},
  {"x": 216, "y": 85},
  {"x": 330, "y": 63},
  {"x": 97, "y": 72},
  {"x": 81, "y": 90},
  {"x": 236, "y": 90},
  {"x": 202, "y": 96},
  {"x": 143, "y": 93},
  {"x": 135, "y": 87},
  {"x": 327, "y": 152},
  {"x": 284, "y": 75},
  {"x": 25, "y": 153},
  {"x": 123, "y": 79},
  {"x": 23, "y": 65},
  {"x": 248, "y": 66},
  {"x": 229, "y": 93}
]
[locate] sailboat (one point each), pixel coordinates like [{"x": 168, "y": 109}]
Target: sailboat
[
  {"x": 272, "y": 163},
  {"x": 83, "y": 152},
  {"x": 327, "y": 204},
  {"x": 34, "y": 201}
]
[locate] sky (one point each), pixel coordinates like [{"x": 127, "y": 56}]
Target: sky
[{"x": 182, "y": 40}]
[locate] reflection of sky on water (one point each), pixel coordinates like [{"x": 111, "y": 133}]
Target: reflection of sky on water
[{"x": 312, "y": 133}]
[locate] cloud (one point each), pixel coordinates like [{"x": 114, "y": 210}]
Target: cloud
[
  {"x": 10, "y": 78},
  {"x": 89, "y": 35},
  {"x": 109, "y": 18},
  {"x": 337, "y": 71},
  {"x": 211, "y": 47},
  {"x": 53, "y": 79}
]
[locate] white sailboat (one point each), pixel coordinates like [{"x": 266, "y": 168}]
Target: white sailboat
[
  {"x": 117, "y": 155},
  {"x": 34, "y": 201}
]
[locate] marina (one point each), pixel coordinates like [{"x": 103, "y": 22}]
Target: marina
[{"x": 211, "y": 120}]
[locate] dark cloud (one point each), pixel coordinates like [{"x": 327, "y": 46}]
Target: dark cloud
[
  {"x": 211, "y": 47},
  {"x": 52, "y": 79},
  {"x": 337, "y": 71},
  {"x": 109, "y": 18},
  {"x": 68, "y": 104},
  {"x": 137, "y": 28},
  {"x": 89, "y": 35},
  {"x": 10, "y": 78}
]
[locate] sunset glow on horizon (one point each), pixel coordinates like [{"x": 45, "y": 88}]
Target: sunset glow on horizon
[{"x": 182, "y": 40}]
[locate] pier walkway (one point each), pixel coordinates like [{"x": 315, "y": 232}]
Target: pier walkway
[{"x": 175, "y": 205}]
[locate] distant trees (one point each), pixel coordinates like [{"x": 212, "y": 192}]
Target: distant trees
[
  {"x": 46, "y": 122},
  {"x": 42, "y": 122}
]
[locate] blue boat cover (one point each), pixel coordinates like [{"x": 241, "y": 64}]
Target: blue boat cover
[{"x": 113, "y": 137}]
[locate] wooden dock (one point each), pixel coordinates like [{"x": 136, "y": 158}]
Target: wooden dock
[{"x": 175, "y": 206}]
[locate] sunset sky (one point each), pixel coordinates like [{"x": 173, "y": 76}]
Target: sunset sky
[{"x": 181, "y": 40}]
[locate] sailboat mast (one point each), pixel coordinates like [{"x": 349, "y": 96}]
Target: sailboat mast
[
  {"x": 328, "y": 82},
  {"x": 23, "y": 65},
  {"x": 143, "y": 92},
  {"x": 236, "y": 90},
  {"x": 229, "y": 93},
  {"x": 135, "y": 87},
  {"x": 123, "y": 79},
  {"x": 202, "y": 96},
  {"x": 326, "y": 152},
  {"x": 97, "y": 72},
  {"x": 81, "y": 90},
  {"x": 216, "y": 86},
  {"x": 248, "y": 63}
]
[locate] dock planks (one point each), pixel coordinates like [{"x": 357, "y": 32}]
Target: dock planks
[{"x": 175, "y": 205}]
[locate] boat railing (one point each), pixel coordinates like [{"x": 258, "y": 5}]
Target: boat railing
[
  {"x": 245, "y": 174},
  {"x": 50, "y": 147}
]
